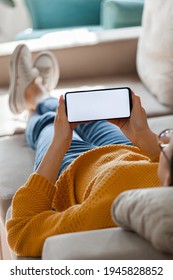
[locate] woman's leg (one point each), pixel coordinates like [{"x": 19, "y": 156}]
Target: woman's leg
[
  {"x": 78, "y": 147},
  {"x": 42, "y": 117},
  {"x": 101, "y": 133}
]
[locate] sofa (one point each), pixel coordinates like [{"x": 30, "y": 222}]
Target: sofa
[
  {"x": 100, "y": 60},
  {"x": 94, "y": 15}
]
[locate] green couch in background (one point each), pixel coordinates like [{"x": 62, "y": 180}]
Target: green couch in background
[
  {"x": 121, "y": 13},
  {"x": 55, "y": 15},
  {"x": 63, "y": 13}
]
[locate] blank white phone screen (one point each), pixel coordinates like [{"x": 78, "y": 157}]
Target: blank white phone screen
[{"x": 98, "y": 105}]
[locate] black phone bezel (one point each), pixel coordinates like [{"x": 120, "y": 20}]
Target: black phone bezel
[{"x": 80, "y": 91}]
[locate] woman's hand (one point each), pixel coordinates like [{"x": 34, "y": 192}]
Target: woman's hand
[
  {"x": 137, "y": 130},
  {"x": 52, "y": 160},
  {"x": 137, "y": 124},
  {"x": 63, "y": 130}
]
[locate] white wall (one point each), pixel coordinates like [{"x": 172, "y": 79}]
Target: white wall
[{"x": 13, "y": 20}]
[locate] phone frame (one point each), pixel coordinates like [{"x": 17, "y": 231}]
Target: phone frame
[{"x": 94, "y": 90}]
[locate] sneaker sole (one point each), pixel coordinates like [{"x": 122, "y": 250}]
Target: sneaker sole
[
  {"x": 54, "y": 65},
  {"x": 13, "y": 86}
]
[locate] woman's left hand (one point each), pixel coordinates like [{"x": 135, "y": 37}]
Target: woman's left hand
[
  {"x": 61, "y": 142},
  {"x": 63, "y": 130}
]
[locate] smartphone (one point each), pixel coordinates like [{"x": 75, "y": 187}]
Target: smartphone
[{"x": 100, "y": 104}]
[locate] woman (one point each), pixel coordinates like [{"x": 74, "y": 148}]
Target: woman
[{"x": 79, "y": 169}]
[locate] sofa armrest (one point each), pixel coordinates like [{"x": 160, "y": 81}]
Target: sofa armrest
[
  {"x": 82, "y": 53},
  {"x": 13, "y": 175},
  {"x": 103, "y": 244}
]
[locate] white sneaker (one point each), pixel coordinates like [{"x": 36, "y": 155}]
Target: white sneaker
[
  {"x": 48, "y": 68},
  {"x": 22, "y": 74}
]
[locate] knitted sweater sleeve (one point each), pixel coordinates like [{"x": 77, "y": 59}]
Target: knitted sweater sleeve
[{"x": 33, "y": 219}]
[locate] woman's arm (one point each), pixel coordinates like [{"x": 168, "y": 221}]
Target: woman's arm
[
  {"x": 137, "y": 130},
  {"x": 33, "y": 219},
  {"x": 51, "y": 162}
]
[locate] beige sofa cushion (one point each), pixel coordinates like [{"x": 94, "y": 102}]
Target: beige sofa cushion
[
  {"x": 16, "y": 164},
  {"x": 111, "y": 243},
  {"x": 103, "y": 244},
  {"x": 155, "y": 49},
  {"x": 149, "y": 213},
  {"x": 160, "y": 123}
]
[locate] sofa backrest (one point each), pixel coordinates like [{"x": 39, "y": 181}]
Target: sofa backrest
[{"x": 63, "y": 13}]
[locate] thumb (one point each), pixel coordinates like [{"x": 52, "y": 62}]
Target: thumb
[
  {"x": 136, "y": 103},
  {"x": 61, "y": 99},
  {"x": 61, "y": 108}
]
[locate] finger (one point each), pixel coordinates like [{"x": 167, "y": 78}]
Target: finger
[
  {"x": 60, "y": 112},
  {"x": 74, "y": 125},
  {"x": 137, "y": 106},
  {"x": 61, "y": 108},
  {"x": 61, "y": 99},
  {"x": 136, "y": 101},
  {"x": 59, "y": 102},
  {"x": 133, "y": 95}
]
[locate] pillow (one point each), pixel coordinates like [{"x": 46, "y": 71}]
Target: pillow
[
  {"x": 46, "y": 14},
  {"x": 121, "y": 13},
  {"x": 155, "y": 50},
  {"x": 149, "y": 213}
]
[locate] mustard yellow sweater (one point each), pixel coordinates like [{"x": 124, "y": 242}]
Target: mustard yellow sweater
[{"x": 81, "y": 198}]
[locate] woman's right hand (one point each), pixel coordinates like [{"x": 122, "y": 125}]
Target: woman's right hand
[
  {"x": 137, "y": 124},
  {"x": 137, "y": 130}
]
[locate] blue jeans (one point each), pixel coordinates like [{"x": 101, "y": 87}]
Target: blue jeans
[{"x": 40, "y": 129}]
